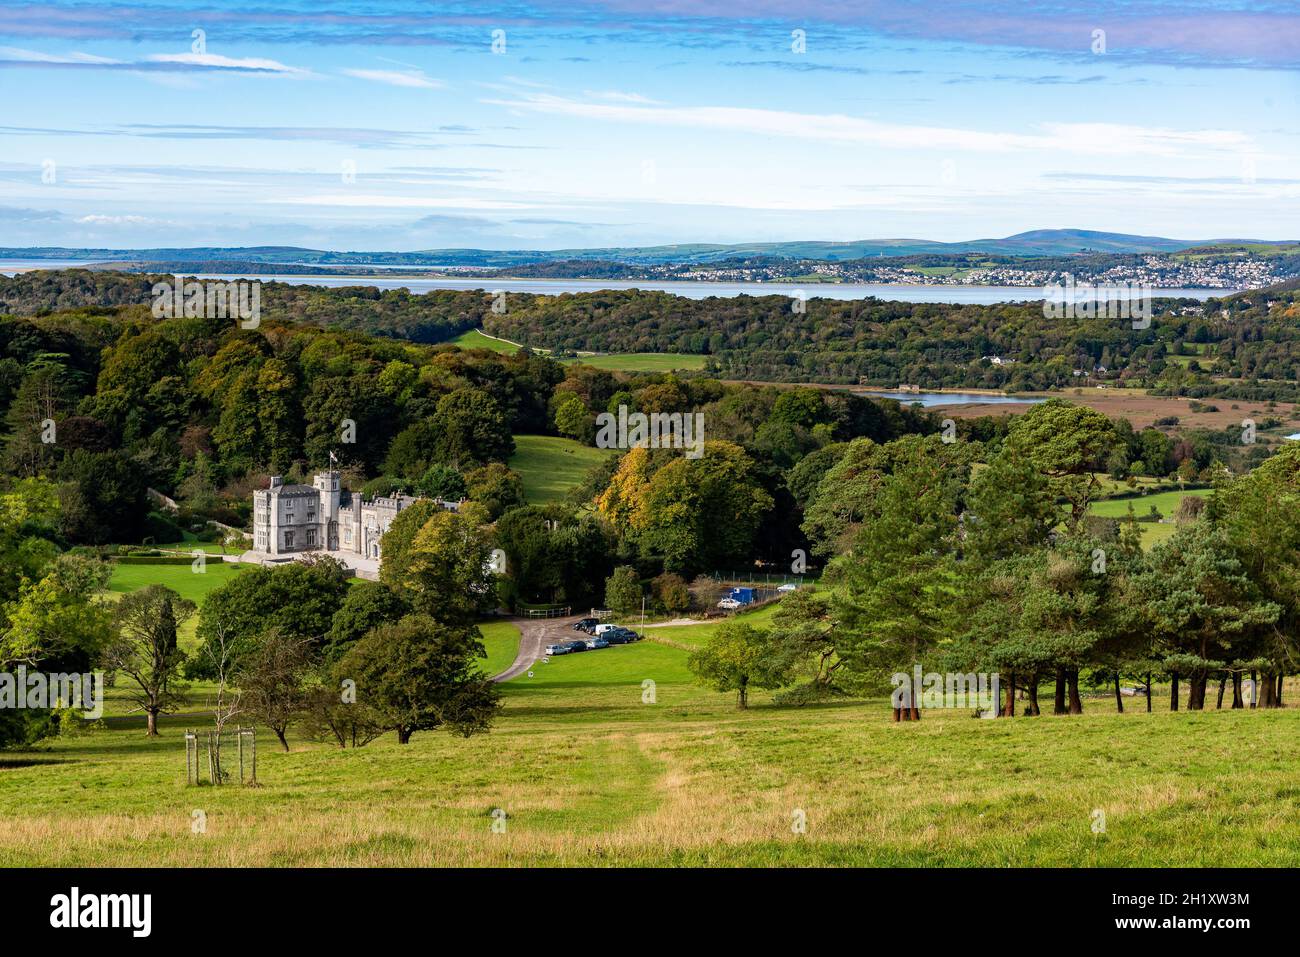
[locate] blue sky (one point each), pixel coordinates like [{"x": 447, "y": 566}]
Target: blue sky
[{"x": 348, "y": 125}]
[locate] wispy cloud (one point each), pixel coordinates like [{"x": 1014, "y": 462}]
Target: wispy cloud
[
  {"x": 1172, "y": 180},
  {"x": 214, "y": 61},
  {"x": 18, "y": 58},
  {"x": 407, "y": 78},
  {"x": 1094, "y": 138},
  {"x": 99, "y": 219},
  {"x": 21, "y": 214},
  {"x": 1027, "y": 79},
  {"x": 618, "y": 96},
  {"x": 359, "y": 137},
  {"x": 381, "y": 201}
]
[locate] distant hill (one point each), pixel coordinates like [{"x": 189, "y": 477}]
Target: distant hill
[{"x": 1039, "y": 242}]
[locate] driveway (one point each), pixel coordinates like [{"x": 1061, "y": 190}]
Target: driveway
[{"x": 534, "y": 635}]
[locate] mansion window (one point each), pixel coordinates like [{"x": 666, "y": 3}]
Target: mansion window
[
  {"x": 288, "y": 539},
  {"x": 347, "y": 535},
  {"x": 311, "y": 536}
]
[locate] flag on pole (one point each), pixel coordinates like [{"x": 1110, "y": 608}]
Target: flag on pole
[{"x": 333, "y": 460}]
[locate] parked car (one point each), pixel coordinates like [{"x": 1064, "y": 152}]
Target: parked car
[
  {"x": 601, "y": 629},
  {"x": 788, "y": 587},
  {"x": 597, "y": 643},
  {"x": 620, "y": 636},
  {"x": 576, "y": 645},
  {"x": 557, "y": 650},
  {"x": 586, "y": 624},
  {"x": 728, "y": 604}
]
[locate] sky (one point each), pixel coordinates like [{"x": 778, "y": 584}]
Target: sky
[{"x": 549, "y": 124}]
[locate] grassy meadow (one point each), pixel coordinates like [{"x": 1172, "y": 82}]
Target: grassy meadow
[
  {"x": 1164, "y": 502},
  {"x": 550, "y": 466},
  {"x": 619, "y": 757},
  {"x": 181, "y": 579},
  {"x": 475, "y": 339},
  {"x": 500, "y": 638},
  {"x": 644, "y": 362},
  {"x": 630, "y": 362},
  {"x": 590, "y": 771}
]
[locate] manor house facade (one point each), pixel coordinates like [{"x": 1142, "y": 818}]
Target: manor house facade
[{"x": 323, "y": 516}]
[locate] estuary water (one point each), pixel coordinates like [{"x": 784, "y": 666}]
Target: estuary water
[
  {"x": 974, "y": 295},
  {"x": 930, "y": 399}
]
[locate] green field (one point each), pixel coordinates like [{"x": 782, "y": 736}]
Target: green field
[
  {"x": 180, "y": 578},
  {"x": 550, "y": 466},
  {"x": 632, "y": 362},
  {"x": 694, "y": 636},
  {"x": 475, "y": 339},
  {"x": 501, "y": 640},
  {"x": 619, "y": 757},
  {"x": 593, "y": 770},
  {"x": 644, "y": 362},
  {"x": 1238, "y": 249},
  {"x": 1165, "y": 502}
]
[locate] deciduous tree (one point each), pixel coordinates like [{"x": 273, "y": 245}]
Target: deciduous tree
[
  {"x": 146, "y": 650},
  {"x": 420, "y": 674}
]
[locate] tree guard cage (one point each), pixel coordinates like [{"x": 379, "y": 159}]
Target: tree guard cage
[{"x": 203, "y": 749}]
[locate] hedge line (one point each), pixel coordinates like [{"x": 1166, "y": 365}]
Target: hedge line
[{"x": 162, "y": 559}]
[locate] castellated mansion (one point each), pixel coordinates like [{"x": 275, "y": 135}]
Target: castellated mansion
[{"x": 289, "y": 520}]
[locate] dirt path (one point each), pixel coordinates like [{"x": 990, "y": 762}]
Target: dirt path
[{"x": 534, "y": 635}]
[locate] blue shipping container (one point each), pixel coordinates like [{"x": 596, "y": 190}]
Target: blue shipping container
[{"x": 743, "y": 595}]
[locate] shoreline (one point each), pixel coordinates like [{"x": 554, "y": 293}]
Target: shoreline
[{"x": 389, "y": 274}]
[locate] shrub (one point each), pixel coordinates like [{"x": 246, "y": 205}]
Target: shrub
[
  {"x": 623, "y": 590},
  {"x": 157, "y": 559},
  {"x": 670, "y": 592},
  {"x": 161, "y": 528},
  {"x": 383, "y": 486},
  {"x": 442, "y": 481}
]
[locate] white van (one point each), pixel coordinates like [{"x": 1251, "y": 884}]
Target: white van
[{"x": 601, "y": 629}]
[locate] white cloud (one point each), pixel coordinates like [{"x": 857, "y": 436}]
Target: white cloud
[
  {"x": 403, "y": 202},
  {"x": 407, "y": 78},
  {"x": 617, "y": 96},
  {"x": 1083, "y": 138},
  {"x": 35, "y": 56},
  {"x": 101, "y": 220},
  {"x": 217, "y": 61}
]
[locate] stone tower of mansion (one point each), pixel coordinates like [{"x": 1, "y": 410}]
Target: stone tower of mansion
[{"x": 290, "y": 519}]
